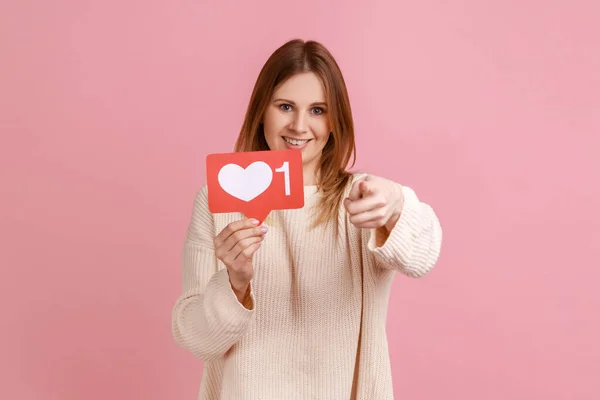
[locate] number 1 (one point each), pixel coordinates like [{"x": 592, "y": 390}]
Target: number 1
[{"x": 285, "y": 168}]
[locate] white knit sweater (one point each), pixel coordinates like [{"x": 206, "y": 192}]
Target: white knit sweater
[{"x": 316, "y": 327}]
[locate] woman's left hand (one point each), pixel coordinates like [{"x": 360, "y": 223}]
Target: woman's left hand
[{"x": 374, "y": 202}]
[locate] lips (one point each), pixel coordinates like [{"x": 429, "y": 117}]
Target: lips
[{"x": 296, "y": 142}]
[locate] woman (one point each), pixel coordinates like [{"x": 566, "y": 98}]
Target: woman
[{"x": 296, "y": 308}]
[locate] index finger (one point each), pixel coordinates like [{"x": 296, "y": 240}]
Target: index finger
[
  {"x": 365, "y": 204},
  {"x": 355, "y": 191},
  {"x": 233, "y": 228}
]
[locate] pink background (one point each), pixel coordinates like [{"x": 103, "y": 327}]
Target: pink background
[{"x": 491, "y": 112}]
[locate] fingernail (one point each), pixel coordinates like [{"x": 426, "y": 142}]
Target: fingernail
[
  {"x": 254, "y": 222},
  {"x": 264, "y": 229}
]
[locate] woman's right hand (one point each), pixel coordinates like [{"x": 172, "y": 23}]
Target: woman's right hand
[{"x": 234, "y": 246}]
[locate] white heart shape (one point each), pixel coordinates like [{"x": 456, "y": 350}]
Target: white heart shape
[{"x": 245, "y": 184}]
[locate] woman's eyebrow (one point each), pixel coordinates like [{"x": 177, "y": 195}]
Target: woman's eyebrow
[{"x": 318, "y": 103}]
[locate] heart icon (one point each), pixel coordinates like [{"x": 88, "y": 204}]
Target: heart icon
[{"x": 245, "y": 184}]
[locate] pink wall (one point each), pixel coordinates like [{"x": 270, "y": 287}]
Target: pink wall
[{"x": 490, "y": 111}]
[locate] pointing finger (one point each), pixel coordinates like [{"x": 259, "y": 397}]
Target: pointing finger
[
  {"x": 354, "y": 191},
  {"x": 365, "y": 189}
]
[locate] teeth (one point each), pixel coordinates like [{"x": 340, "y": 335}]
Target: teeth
[{"x": 295, "y": 142}]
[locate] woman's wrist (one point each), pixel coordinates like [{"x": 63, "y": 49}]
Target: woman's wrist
[{"x": 241, "y": 290}]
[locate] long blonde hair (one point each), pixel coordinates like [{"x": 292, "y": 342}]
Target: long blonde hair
[{"x": 298, "y": 56}]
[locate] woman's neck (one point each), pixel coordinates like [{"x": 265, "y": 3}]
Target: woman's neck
[{"x": 310, "y": 177}]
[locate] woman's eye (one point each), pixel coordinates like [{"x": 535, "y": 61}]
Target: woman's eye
[
  {"x": 285, "y": 107},
  {"x": 318, "y": 110}
]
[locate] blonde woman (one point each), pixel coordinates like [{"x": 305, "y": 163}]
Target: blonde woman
[{"x": 296, "y": 308}]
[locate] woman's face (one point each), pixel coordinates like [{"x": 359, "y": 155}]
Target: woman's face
[{"x": 296, "y": 118}]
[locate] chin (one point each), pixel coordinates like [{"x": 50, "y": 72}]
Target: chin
[{"x": 308, "y": 158}]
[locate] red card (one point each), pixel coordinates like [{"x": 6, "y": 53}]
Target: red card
[{"x": 255, "y": 183}]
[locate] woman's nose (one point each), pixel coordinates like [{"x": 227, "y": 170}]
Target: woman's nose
[{"x": 299, "y": 124}]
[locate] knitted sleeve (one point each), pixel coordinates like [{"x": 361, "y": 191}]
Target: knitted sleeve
[
  {"x": 413, "y": 246},
  {"x": 207, "y": 318}
]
